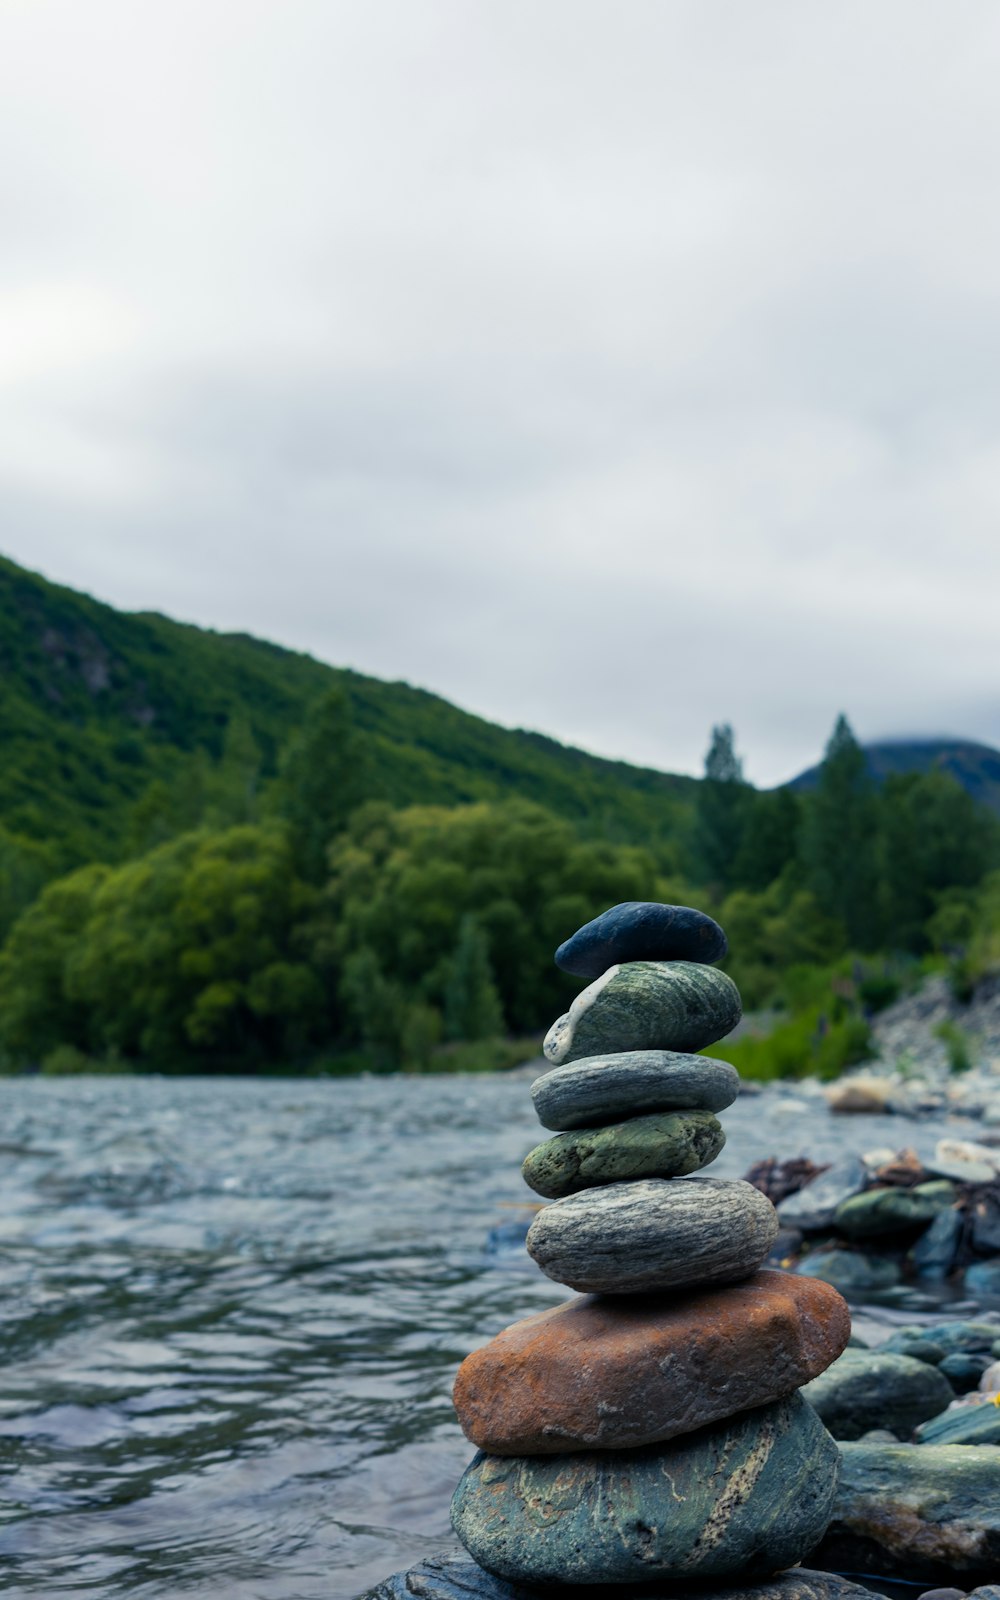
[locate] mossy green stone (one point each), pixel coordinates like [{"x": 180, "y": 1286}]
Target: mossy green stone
[
  {"x": 646, "y": 1005},
  {"x": 669, "y": 1145},
  {"x": 879, "y": 1211},
  {"x": 748, "y": 1496}
]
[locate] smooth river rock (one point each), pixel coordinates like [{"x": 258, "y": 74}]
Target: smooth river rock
[
  {"x": 879, "y": 1211},
  {"x": 851, "y": 1271},
  {"x": 978, "y": 1423},
  {"x": 865, "y": 1389},
  {"x": 668, "y": 1145},
  {"x": 600, "y": 1089},
  {"x": 646, "y": 1005},
  {"x": 812, "y": 1208},
  {"x": 459, "y": 1578},
  {"x": 641, "y": 930},
  {"x": 600, "y": 1374},
  {"x": 923, "y": 1512},
  {"x": 750, "y": 1496},
  {"x": 637, "y": 1238}
]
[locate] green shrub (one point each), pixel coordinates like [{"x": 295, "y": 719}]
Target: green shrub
[
  {"x": 956, "y": 1042},
  {"x": 65, "y": 1061}
]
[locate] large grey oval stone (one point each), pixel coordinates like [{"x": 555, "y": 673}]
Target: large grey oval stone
[
  {"x": 599, "y": 1089},
  {"x": 670, "y": 1145},
  {"x": 646, "y": 1005},
  {"x": 748, "y": 1496},
  {"x": 634, "y": 1238}
]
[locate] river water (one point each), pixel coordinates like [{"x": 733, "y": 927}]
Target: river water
[{"x": 232, "y": 1311}]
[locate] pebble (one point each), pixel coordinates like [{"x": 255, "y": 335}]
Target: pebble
[
  {"x": 641, "y": 930},
  {"x": 927, "y": 1513},
  {"x": 865, "y": 1389},
  {"x": 973, "y": 1424},
  {"x": 750, "y": 1495},
  {"x": 989, "y": 1383},
  {"x": 861, "y": 1094},
  {"x": 669, "y": 1145},
  {"x": 880, "y": 1211},
  {"x": 606, "y": 1374},
  {"x": 851, "y": 1271},
  {"x": 985, "y": 1214},
  {"x": 812, "y": 1209},
  {"x": 458, "y": 1578},
  {"x": 638, "y": 1238},
  {"x": 646, "y": 1005},
  {"x": 963, "y": 1369},
  {"x": 968, "y": 1162},
  {"x": 964, "y": 1335},
  {"x": 983, "y": 1277},
  {"x": 933, "y": 1256},
  {"x": 600, "y": 1089},
  {"x": 905, "y": 1344}
]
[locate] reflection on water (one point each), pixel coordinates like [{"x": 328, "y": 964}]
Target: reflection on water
[{"x": 232, "y": 1312}]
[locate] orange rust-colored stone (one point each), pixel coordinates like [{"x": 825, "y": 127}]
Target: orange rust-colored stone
[{"x": 615, "y": 1373}]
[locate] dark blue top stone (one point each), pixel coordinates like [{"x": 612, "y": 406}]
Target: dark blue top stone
[{"x": 641, "y": 930}]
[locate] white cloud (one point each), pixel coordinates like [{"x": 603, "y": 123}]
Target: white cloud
[{"x": 612, "y": 370}]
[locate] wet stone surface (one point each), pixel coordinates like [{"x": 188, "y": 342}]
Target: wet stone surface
[
  {"x": 749, "y": 1495},
  {"x": 668, "y": 1145}
]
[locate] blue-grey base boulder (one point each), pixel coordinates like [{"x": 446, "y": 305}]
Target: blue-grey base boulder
[
  {"x": 749, "y": 1497},
  {"x": 458, "y": 1578},
  {"x": 924, "y": 1512}
]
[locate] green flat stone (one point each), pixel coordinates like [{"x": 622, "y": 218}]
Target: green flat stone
[
  {"x": 878, "y": 1211},
  {"x": 669, "y": 1145}
]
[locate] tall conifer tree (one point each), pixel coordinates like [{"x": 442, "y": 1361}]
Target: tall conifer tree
[
  {"x": 723, "y": 807},
  {"x": 839, "y": 839}
]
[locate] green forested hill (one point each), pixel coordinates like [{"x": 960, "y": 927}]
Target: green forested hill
[
  {"x": 106, "y": 715},
  {"x": 218, "y": 854}
]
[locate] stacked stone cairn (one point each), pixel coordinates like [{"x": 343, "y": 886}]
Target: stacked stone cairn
[{"x": 649, "y": 1431}]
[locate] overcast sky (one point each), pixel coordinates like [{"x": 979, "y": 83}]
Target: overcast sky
[{"x": 611, "y": 367}]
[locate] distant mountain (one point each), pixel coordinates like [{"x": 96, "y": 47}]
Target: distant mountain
[
  {"x": 100, "y": 709},
  {"x": 975, "y": 766}
]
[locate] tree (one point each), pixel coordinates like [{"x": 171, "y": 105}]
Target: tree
[
  {"x": 402, "y": 881},
  {"x": 770, "y": 841},
  {"x": 235, "y": 781},
  {"x": 472, "y": 1007},
  {"x": 189, "y": 955},
  {"x": 323, "y": 777},
  {"x": 839, "y": 839},
  {"x": 723, "y": 805},
  {"x": 933, "y": 838}
]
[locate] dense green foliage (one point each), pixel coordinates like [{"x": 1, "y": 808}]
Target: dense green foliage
[
  {"x": 217, "y": 854},
  {"x": 116, "y": 730}
]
